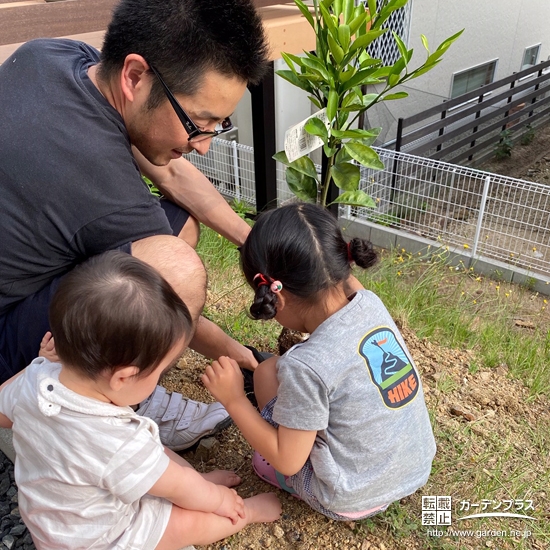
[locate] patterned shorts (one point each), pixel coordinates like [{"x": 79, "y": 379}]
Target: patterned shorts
[{"x": 301, "y": 481}]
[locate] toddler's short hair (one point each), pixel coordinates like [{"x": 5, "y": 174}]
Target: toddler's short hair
[{"x": 114, "y": 310}]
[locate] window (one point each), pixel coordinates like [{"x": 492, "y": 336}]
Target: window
[
  {"x": 474, "y": 78},
  {"x": 530, "y": 57}
]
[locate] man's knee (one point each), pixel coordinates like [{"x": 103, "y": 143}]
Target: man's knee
[
  {"x": 179, "y": 264},
  {"x": 191, "y": 232}
]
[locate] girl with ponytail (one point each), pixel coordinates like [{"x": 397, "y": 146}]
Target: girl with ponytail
[{"x": 343, "y": 422}]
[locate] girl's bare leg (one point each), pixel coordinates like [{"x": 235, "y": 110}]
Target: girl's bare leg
[
  {"x": 265, "y": 381},
  {"x": 186, "y": 527}
]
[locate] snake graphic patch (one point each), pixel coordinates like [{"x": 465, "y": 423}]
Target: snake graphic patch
[{"x": 390, "y": 367}]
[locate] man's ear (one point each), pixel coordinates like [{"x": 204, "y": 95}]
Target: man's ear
[
  {"x": 134, "y": 79},
  {"x": 122, "y": 376}
]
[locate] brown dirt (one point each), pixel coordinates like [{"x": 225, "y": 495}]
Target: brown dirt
[{"x": 478, "y": 415}]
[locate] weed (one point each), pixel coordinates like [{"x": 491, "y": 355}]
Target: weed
[
  {"x": 528, "y": 136},
  {"x": 503, "y": 148}
]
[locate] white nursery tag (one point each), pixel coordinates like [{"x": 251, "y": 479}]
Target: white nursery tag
[{"x": 298, "y": 142}]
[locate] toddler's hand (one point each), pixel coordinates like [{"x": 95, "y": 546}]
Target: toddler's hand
[
  {"x": 47, "y": 348},
  {"x": 232, "y": 506},
  {"x": 224, "y": 380}
]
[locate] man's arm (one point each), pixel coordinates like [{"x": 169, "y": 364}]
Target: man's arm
[{"x": 184, "y": 184}]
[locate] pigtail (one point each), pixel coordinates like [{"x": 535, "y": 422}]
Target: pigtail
[
  {"x": 362, "y": 252},
  {"x": 265, "y": 297}
]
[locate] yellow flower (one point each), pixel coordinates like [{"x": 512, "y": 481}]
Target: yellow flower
[
  {"x": 466, "y": 245},
  {"x": 475, "y": 301}
]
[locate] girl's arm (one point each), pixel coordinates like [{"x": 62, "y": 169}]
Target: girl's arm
[
  {"x": 186, "y": 488},
  {"x": 285, "y": 449}
]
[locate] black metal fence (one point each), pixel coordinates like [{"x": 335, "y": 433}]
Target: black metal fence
[{"x": 468, "y": 129}]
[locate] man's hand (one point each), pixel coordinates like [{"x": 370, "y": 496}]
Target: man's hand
[
  {"x": 224, "y": 380},
  {"x": 232, "y": 505}
]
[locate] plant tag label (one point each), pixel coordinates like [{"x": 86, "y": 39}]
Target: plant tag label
[{"x": 298, "y": 142}]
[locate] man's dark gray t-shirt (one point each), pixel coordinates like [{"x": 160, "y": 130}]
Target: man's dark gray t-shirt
[{"x": 69, "y": 185}]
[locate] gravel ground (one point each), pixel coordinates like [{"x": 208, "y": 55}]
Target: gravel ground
[{"x": 13, "y": 532}]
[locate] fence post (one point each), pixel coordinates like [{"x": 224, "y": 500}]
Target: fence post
[
  {"x": 448, "y": 199},
  {"x": 534, "y": 100},
  {"x": 478, "y": 114},
  {"x": 481, "y": 214},
  {"x": 236, "y": 169}
]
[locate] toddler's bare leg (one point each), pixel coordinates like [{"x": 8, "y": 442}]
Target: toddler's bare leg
[
  {"x": 226, "y": 478},
  {"x": 187, "y": 527}
]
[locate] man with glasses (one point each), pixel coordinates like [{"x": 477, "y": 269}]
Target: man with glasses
[{"x": 78, "y": 129}]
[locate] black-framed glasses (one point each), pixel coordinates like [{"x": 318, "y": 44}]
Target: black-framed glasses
[{"x": 194, "y": 133}]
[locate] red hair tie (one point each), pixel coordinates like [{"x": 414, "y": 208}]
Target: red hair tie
[{"x": 274, "y": 286}]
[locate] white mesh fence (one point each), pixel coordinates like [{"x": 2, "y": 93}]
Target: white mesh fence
[{"x": 486, "y": 215}]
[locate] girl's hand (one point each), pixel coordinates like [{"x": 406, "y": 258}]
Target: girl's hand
[
  {"x": 232, "y": 505},
  {"x": 224, "y": 380}
]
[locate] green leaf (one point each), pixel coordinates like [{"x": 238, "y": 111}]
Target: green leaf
[
  {"x": 344, "y": 76},
  {"x": 401, "y": 46},
  {"x": 305, "y": 11},
  {"x": 315, "y": 101},
  {"x": 329, "y": 151},
  {"x": 357, "y": 133},
  {"x": 396, "y": 95},
  {"x": 364, "y": 155},
  {"x": 328, "y": 21},
  {"x": 291, "y": 60},
  {"x": 422, "y": 70},
  {"x": 316, "y": 127},
  {"x": 336, "y": 51},
  {"x": 355, "y": 198},
  {"x": 315, "y": 65},
  {"x": 361, "y": 78},
  {"x": 293, "y": 79},
  {"x": 425, "y": 43},
  {"x": 398, "y": 66},
  {"x": 304, "y": 187},
  {"x": 346, "y": 176},
  {"x": 358, "y": 21},
  {"x": 393, "y": 80},
  {"x": 342, "y": 156},
  {"x": 344, "y": 36},
  {"x": 281, "y": 157},
  {"x": 332, "y": 104},
  {"x": 365, "y": 39},
  {"x": 349, "y": 7},
  {"x": 305, "y": 166}
]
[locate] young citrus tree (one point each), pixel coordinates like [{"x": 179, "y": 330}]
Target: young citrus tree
[{"x": 336, "y": 76}]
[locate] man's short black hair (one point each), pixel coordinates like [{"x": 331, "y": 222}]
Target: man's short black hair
[
  {"x": 113, "y": 311},
  {"x": 183, "y": 39}
]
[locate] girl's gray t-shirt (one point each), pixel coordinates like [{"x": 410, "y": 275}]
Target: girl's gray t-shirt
[{"x": 355, "y": 382}]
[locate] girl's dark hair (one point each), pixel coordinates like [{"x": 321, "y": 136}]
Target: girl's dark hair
[
  {"x": 115, "y": 310},
  {"x": 300, "y": 245},
  {"x": 183, "y": 39}
]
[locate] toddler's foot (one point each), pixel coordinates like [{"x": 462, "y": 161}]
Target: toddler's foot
[
  {"x": 47, "y": 348},
  {"x": 262, "y": 508},
  {"x": 223, "y": 477}
]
